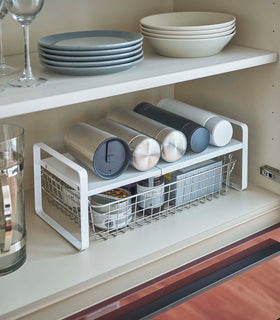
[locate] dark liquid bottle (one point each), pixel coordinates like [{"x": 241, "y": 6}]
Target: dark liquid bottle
[{"x": 150, "y": 199}]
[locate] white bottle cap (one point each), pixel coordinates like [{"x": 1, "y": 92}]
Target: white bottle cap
[{"x": 220, "y": 131}]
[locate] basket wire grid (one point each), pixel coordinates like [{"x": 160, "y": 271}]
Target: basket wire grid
[{"x": 118, "y": 216}]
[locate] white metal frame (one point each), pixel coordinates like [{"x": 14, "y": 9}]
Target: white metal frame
[
  {"x": 84, "y": 192},
  {"x": 244, "y": 164}
]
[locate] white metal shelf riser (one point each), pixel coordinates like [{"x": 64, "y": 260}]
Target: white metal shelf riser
[{"x": 87, "y": 184}]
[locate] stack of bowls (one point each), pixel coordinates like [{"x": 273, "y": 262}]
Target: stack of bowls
[
  {"x": 91, "y": 52},
  {"x": 188, "y": 34}
]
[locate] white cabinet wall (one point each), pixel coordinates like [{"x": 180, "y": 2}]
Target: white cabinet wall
[
  {"x": 67, "y": 16},
  {"x": 251, "y": 95},
  {"x": 72, "y": 281}
]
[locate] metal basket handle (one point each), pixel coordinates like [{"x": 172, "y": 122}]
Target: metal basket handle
[{"x": 7, "y": 212}]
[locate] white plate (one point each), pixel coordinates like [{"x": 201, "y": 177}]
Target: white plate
[
  {"x": 202, "y": 36},
  {"x": 189, "y": 48},
  {"x": 91, "y": 64},
  {"x": 89, "y": 58},
  {"x": 186, "y": 21},
  {"x": 187, "y": 33}
]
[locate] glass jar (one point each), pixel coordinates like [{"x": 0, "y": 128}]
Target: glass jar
[{"x": 150, "y": 199}]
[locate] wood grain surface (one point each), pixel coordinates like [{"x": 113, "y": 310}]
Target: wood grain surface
[{"x": 254, "y": 295}]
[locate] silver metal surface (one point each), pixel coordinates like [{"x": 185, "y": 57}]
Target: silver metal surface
[
  {"x": 105, "y": 154},
  {"x": 271, "y": 173},
  {"x": 15, "y": 247},
  {"x": 7, "y": 211},
  {"x": 145, "y": 151},
  {"x": 82, "y": 140},
  {"x": 194, "y": 190},
  {"x": 12, "y": 171},
  {"x": 173, "y": 142}
]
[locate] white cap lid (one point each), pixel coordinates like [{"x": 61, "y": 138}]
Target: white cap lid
[{"x": 220, "y": 131}]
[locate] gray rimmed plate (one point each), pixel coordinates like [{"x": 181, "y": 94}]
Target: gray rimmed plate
[
  {"x": 91, "y": 40},
  {"x": 91, "y": 64},
  {"x": 89, "y": 58},
  {"x": 90, "y": 53},
  {"x": 86, "y": 71}
]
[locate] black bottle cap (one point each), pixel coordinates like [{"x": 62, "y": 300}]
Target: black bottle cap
[{"x": 111, "y": 158}]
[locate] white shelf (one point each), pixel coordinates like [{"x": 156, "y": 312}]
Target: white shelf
[
  {"x": 153, "y": 72},
  {"x": 191, "y": 158},
  {"x": 95, "y": 184},
  {"x": 67, "y": 272},
  {"x": 98, "y": 185}
]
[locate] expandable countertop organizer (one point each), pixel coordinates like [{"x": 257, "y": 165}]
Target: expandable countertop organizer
[{"x": 86, "y": 184}]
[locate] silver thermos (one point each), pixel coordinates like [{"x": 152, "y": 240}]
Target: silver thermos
[
  {"x": 173, "y": 142},
  {"x": 106, "y": 155},
  {"x": 145, "y": 151}
]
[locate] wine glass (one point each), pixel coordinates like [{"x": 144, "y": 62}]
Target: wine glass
[
  {"x": 5, "y": 70},
  {"x": 25, "y": 11}
]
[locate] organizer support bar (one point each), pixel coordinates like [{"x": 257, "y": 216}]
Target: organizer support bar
[{"x": 80, "y": 244}]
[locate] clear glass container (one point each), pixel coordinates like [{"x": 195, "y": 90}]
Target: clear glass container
[{"x": 12, "y": 212}]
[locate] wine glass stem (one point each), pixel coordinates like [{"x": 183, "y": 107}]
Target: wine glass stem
[
  {"x": 27, "y": 72},
  {"x": 2, "y": 59}
]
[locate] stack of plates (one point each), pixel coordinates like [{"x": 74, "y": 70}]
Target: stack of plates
[
  {"x": 91, "y": 52},
  {"x": 188, "y": 34}
]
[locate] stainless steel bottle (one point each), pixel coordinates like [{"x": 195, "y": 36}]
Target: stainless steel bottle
[
  {"x": 173, "y": 142},
  {"x": 106, "y": 155},
  {"x": 145, "y": 151}
]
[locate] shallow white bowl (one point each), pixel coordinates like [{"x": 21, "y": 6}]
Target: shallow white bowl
[
  {"x": 187, "y": 33},
  {"x": 188, "y": 48},
  {"x": 201, "y": 36},
  {"x": 187, "y": 21}
]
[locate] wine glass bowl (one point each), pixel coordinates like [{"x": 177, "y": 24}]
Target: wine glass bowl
[
  {"x": 3, "y": 9},
  {"x": 25, "y": 11},
  {"x": 5, "y": 70}
]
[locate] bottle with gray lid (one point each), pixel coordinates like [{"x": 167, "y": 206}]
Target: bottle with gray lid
[
  {"x": 145, "y": 151},
  {"x": 197, "y": 136},
  {"x": 219, "y": 128},
  {"x": 173, "y": 143},
  {"x": 106, "y": 155}
]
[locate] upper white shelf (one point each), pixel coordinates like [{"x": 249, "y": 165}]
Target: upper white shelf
[{"x": 154, "y": 71}]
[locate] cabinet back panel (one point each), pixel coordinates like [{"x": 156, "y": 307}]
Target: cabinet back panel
[
  {"x": 50, "y": 126},
  {"x": 251, "y": 95},
  {"x": 72, "y": 15},
  {"x": 68, "y": 16}
]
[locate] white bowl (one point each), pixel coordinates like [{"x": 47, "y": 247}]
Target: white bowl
[
  {"x": 187, "y": 33},
  {"x": 202, "y": 36},
  {"x": 187, "y": 21},
  {"x": 188, "y": 48}
]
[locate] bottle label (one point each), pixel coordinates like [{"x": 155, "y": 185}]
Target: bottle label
[{"x": 152, "y": 199}]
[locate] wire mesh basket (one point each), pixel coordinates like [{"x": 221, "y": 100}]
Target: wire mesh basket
[{"x": 109, "y": 216}]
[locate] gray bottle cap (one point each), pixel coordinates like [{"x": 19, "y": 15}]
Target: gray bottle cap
[{"x": 111, "y": 158}]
